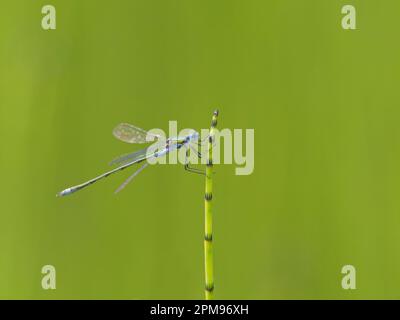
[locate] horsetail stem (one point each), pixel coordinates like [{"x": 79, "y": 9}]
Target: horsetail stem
[{"x": 208, "y": 235}]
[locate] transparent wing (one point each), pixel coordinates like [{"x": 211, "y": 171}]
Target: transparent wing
[
  {"x": 131, "y": 134},
  {"x": 132, "y": 157},
  {"x": 131, "y": 178}
]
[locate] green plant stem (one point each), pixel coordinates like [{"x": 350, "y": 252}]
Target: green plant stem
[{"x": 208, "y": 216}]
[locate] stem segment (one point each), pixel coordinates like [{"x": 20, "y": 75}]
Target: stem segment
[{"x": 208, "y": 232}]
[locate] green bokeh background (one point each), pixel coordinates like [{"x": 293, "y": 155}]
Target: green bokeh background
[{"x": 324, "y": 103}]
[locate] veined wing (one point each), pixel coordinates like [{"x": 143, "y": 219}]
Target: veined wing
[
  {"x": 134, "y": 156},
  {"x": 126, "y": 182},
  {"x": 131, "y": 134}
]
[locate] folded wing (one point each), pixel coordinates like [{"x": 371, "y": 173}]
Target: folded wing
[{"x": 129, "y": 133}]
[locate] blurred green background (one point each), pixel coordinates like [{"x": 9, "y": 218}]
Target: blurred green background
[{"x": 324, "y": 103}]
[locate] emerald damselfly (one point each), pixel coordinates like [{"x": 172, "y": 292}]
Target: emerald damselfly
[{"x": 132, "y": 134}]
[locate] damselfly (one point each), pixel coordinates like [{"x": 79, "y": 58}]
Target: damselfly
[{"x": 131, "y": 134}]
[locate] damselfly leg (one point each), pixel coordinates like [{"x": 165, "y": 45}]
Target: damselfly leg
[{"x": 187, "y": 166}]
